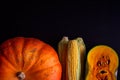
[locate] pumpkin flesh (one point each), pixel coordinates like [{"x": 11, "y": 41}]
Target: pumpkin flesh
[{"x": 102, "y": 63}]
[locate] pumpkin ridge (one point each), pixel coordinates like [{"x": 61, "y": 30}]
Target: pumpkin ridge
[
  {"x": 19, "y": 59},
  {"x": 42, "y": 73},
  {"x": 37, "y": 61},
  {"x": 39, "y": 51},
  {"x": 23, "y": 45},
  {"x": 40, "y": 70},
  {"x": 42, "y": 50},
  {"x": 5, "y": 57},
  {"x": 8, "y": 62}
]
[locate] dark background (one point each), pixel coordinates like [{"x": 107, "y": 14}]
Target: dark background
[{"x": 97, "y": 22}]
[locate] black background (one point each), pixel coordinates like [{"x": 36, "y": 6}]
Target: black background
[{"x": 97, "y": 22}]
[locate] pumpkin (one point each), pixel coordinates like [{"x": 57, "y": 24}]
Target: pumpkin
[
  {"x": 102, "y": 63},
  {"x": 28, "y": 59}
]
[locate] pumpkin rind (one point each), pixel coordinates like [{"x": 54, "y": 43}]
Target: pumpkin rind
[
  {"x": 38, "y": 60},
  {"x": 102, "y": 63}
]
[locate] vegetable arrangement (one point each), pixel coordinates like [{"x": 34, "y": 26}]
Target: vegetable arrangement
[
  {"x": 32, "y": 59},
  {"x": 101, "y": 64}
]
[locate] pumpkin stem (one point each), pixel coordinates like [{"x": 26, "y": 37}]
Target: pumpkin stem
[{"x": 21, "y": 75}]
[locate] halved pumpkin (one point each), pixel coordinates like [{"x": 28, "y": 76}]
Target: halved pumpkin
[{"x": 102, "y": 63}]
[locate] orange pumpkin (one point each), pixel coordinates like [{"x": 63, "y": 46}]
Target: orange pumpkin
[{"x": 28, "y": 59}]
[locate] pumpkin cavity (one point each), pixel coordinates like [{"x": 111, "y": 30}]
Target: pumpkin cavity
[
  {"x": 103, "y": 61},
  {"x": 102, "y": 75},
  {"x": 103, "y": 71}
]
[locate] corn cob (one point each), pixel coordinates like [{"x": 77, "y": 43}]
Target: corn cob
[
  {"x": 71, "y": 55},
  {"x": 82, "y": 49},
  {"x": 62, "y": 51},
  {"x": 73, "y": 61}
]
